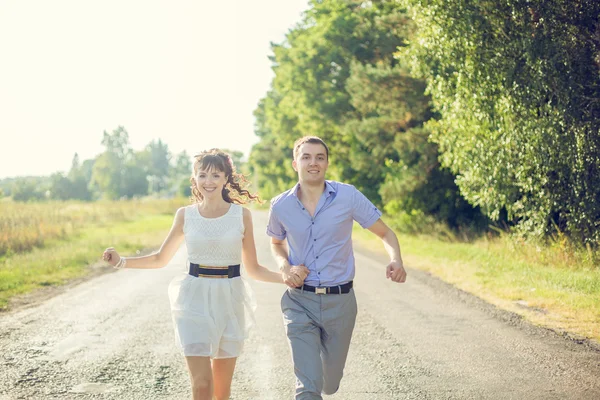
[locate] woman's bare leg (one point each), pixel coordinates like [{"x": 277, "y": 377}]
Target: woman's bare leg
[
  {"x": 200, "y": 377},
  {"x": 222, "y": 370}
]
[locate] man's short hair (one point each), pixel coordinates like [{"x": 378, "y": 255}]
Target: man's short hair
[{"x": 309, "y": 139}]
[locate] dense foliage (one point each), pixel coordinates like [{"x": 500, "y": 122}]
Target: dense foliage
[
  {"x": 516, "y": 84},
  {"x": 336, "y": 77}
]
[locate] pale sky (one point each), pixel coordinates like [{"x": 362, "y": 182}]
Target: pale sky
[{"x": 188, "y": 72}]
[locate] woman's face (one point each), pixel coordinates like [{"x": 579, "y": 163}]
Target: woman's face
[{"x": 210, "y": 182}]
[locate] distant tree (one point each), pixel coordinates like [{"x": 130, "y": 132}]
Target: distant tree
[
  {"x": 108, "y": 174},
  {"x": 135, "y": 177},
  {"x": 26, "y": 189},
  {"x": 158, "y": 165},
  {"x": 184, "y": 189},
  {"x": 182, "y": 165},
  {"x": 79, "y": 180},
  {"x": 61, "y": 187}
]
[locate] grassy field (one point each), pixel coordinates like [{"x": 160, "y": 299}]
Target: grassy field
[
  {"x": 49, "y": 244},
  {"x": 24, "y": 226},
  {"x": 549, "y": 286}
]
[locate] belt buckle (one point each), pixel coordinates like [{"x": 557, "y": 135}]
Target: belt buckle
[{"x": 321, "y": 290}]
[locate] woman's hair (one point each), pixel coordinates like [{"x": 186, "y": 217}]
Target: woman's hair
[{"x": 234, "y": 190}]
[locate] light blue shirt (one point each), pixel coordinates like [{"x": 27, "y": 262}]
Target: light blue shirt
[{"x": 323, "y": 243}]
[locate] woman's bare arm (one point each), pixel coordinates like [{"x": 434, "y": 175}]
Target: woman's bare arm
[
  {"x": 254, "y": 269},
  {"x": 159, "y": 258}
]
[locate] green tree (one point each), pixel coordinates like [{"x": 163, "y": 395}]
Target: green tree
[
  {"x": 27, "y": 189},
  {"x": 518, "y": 90},
  {"x": 158, "y": 165},
  {"x": 336, "y": 76},
  {"x": 135, "y": 176},
  {"x": 61, "y": 187},
  {"x": 182, "y": 166},
  {"x": 79, "y": 180},
  {"x": 108, "y": 174}
]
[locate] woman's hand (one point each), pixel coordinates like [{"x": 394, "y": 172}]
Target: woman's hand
[{"x": 111, "y": 256}]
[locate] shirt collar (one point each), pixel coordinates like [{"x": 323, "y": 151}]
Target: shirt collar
[{"x": 329, "y": 189}]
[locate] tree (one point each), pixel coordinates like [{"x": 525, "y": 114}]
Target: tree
[
  {"x": 135, "y": 177},
  {"x": 79, "y": 180},
  {"x": 108, "y": 174},
  {"x": 158, "y": 165},
  {"x": 336, "y": 77},
  {"x": 518, "y": 90},
  {"x": 61, "y": 187},
  {"x": 27, "y": 189},
  {"x": 182, "y": 166}
]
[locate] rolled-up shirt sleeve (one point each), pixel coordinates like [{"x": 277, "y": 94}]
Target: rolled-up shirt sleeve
[
  {"x": 363, "y": 211},
  {"x": 274, "y": 227}
]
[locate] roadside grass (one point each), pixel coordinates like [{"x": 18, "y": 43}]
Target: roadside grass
[
  {"x": 547, "y": 285},
  {"x": 66, "y": 257},
  {"x": 25, "y": 226}
]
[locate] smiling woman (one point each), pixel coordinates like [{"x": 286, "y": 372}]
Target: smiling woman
[
  {"x": 211, "y": 305},
  {"x": 214, "y": 169}
]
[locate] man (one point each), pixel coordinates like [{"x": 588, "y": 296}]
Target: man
[{"x": 316, "y": 218}]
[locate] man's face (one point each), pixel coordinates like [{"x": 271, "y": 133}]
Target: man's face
[{"x": 311, "y": 163}]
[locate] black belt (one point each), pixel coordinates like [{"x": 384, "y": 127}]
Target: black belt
[
  {"x": 345, "y": 288},
  {"x": 231, "y": 271}
]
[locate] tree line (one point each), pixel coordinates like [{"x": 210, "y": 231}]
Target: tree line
[
  {"x": 464, "y": 113},
  {"x": 118, "y": 172}
]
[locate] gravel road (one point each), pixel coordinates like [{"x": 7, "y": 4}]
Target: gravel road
[{"x": 111, "y": 337}]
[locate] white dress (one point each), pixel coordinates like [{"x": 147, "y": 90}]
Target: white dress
[{"x": 212, "y": 316}]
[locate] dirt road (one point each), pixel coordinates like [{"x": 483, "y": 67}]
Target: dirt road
[{"x": 111, "y": 338}]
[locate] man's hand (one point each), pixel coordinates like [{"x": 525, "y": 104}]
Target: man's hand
[
  {"x": 395, "y": 271},
  {"x": 294, "y": 275}
]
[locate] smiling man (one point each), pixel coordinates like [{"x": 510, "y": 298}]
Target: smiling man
[{"x": 311, "y": 225}]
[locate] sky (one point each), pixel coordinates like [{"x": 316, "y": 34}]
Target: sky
[{"x": 188, "y": 72}]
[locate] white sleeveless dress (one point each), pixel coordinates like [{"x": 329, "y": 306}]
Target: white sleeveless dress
[{"x": 212, "y": 316}]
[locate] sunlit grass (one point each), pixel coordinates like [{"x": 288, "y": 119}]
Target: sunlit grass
[
  {"x": 550, "y": 285},
  {"x": 24, "y": 226},
  {"x": 79, "y": 234}
]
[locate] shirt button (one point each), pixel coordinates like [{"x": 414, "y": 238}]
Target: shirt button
[
  {"x": 317, "y": 257},
  {"x": 313, "y": 223},
  {"x": 318, "y": 273},
  {"x": 315, "y": 240},
  {"x": 303, "y": 208}
]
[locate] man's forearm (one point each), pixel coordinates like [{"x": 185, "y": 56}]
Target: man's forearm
[
  {"x": 280, "y": 253},
  {"x": 390, "y": 242}
]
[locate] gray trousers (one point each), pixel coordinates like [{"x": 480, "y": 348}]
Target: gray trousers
[{"x": 319, "y": 328}]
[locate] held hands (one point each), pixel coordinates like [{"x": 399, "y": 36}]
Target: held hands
[
  {"x": 395, "y": 271},
  {"x": 294, "y": 275}
]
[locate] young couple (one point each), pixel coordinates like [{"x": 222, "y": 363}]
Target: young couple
[{"x": 310, "y": 227}]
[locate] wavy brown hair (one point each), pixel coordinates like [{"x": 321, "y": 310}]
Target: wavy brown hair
[{"x": 235, "y": 189}]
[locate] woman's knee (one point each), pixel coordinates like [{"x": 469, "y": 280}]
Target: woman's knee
[{"x": 202, "y": 385}]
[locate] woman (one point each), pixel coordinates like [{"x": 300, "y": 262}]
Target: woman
[{"x": 211, "y": 305}]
